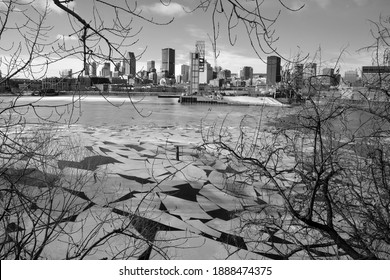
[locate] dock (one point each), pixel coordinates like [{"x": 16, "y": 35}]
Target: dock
[
  {"x": 236, "y": 101},
  {"x": 200, "y": 100},
  {"x": 168, "y": 96}
]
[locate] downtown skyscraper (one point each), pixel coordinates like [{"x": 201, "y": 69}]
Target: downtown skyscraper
[
  {"x": 185, "y": 72},
  {"x": 168, "y": 62},
  {"x": 130, "y": 65},
  {"x": 93, "y": 69},
  {"x": 273, "y": 70},
  {"x": 150, "y": 65}
]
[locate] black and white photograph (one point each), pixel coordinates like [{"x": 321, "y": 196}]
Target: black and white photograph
[{"x": 232, "y": 134}]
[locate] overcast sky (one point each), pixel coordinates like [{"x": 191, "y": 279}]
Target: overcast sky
[{"x": 329, "y": 24}]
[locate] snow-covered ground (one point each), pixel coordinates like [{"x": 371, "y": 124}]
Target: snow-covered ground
[{"x": 268, "y": 101}]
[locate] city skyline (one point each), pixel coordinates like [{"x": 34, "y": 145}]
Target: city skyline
[{"x": 327, "y": 24}]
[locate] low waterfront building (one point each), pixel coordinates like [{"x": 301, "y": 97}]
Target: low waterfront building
[
  {"x": 376, "y": 76},
  {"x": 351, "y": 77}
]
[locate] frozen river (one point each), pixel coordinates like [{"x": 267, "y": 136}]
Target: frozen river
[
  {"x": 185, "y": 208},
  {"x": 188, "y": 208},
  {"x": 140, "y": 111}
]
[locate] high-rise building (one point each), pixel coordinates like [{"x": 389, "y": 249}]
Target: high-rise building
[
  {"x": 225, "y": 74},
  {"x": 168, "y": 62},
  {"x": 298, "y": 76},
  {"x": 106, "y": 71},
  {"x": 86, "y": 69},
  {"x": 350, "y": 77},
  {"x": 311, "y": 69},
  {"x": 328, "y": 77},
  {"x": 130, "y": 64},
  {"x": 66, "y": 73},
  {"x": 117, "y": 67},
  {"x": 143, "y": 74},
  {"x": 153, "y": 76},
  {"x": 246, "y": 73},
  {"x": 94, "y": 69},
  {"x": 151, "y": 64},
  {"x": 185, "y": 73},
  {"x": 207, "y": 74},
  {"x": 273, "y": 70},
  {"x": 309, "y": 73}
]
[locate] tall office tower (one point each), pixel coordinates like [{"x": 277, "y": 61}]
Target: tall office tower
[
  {"x": 117, "y": 67},
  {"x": 123, "y": 66},
  {"x": 351, "y": 77},
  {"x": 66, "y": 73},
  {"x": 386, "y": 57},
  {"x": 168, "y": 62},
  {"x": 86, "y": 69},
  {"x": 185, "y": 72},
  {"x": 153, "y": 76},
  {"x": 130, "y": 64},
  {"x": 298, "y": 75},
  {"x": 225, "y": 74},
  {"x": 94, "y": 69},
  {"x": 273, "y": 70},
  {"x": 309, "y": 73},
  {"x": 151, "y": 64},
  {"x": 106, "y": 70},
  {"x": 328, "y": 77},
  {"x": 246, "y": 73},
  {"x": 207, "y": 74},
  {"x": 312, "y": 68}
]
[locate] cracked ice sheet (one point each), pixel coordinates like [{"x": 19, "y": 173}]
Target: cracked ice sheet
[
  {"x": 63, "y": 204},
  {"x": 205, "y": 229},
  {"x": 217, "y": 178},
  {"x": 110, "y": 189},
  {"x": 121, "y": 169},
  {"x": 188, "y": 172},
  {"x": 88, "y": 223},
  {"x": 233, "y": 226},
  {"x": 225, "y": 201},
  {"x": 179, "y": 245},
  {"x": 147, "y": 146},
  {"x": 140, "y": 203},
  {"x": 169, "y": 220},
  {"x": 206, "y": 204},
  {"x": 129, "y": 153},
  {"x": 164, "y": 186},
  {"x": 126, "y": 165},
  {"x": 183, "y": 208}
]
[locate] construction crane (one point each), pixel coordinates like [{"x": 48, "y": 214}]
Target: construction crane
[
  {"x": 197, "y": 66},
  {"x": 200, "y": 50}
]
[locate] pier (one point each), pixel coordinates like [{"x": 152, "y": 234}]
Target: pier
[
  {"x": 200, "y": 100},
  {"x": 236, "y": 101}
]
